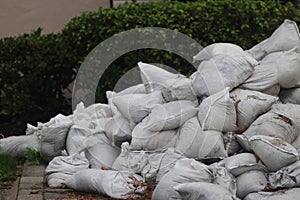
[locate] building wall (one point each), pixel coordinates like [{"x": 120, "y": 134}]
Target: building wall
[{"x": 23, "y": 16}]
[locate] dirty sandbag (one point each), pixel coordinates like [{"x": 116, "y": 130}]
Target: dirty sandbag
[
  {"x": 118, "y": 130},
  {"x": 136, "y": 107},
  {"x": 152, "y": 165},
  {"x": 99, "y": 151},
  {"x": 290, "y": 113},
  {"x": 202, "y": 190},
  {"x": 154, "y": 77},
  {"x": 284, "y": 38},
  {"x": 286, "y": 177},
  {"x": 281, "y": 68},
  {"x": 223, "y": 177},
  {"x": 193, "y": 142},
  {"x": 184, "y": 171},
  {"x": 290, "y": 194},
  {"x": 62, "y": 167},
  {"x": 179, "y": 88},
  {"x": 75, "y": 138},
  {"x": 296, "y": 144},
  {"x": 53, "y": 140},
  {"x": 290, "y": 95},
  {"x": 116, "y": 184},
  {"x": 217, "y": 112},
  {"x": 273, "y": 152},
  {"x": 250, "y": 104},
  {"x": 232, "y": 146},
  {"x": 251, "y": 181},
  {"x": 144, "y": 139},
  {"x": 272, "y": 124},
  {"x": 273, "y": 90},
  {"x": 169, "y": 116},
  {"x": 222, "y": 71},
  {"x": 243, "y": 162},
  {"x": 16, "y": 145},
  {"x": 218, "y": 49}
]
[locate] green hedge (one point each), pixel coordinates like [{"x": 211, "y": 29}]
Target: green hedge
[{"x": 35, "y": 67}]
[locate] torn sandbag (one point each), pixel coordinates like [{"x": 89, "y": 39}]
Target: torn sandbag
[
  {"x": 284, "y": 38},
  {"x": 99, "y": 151},
  {"x": 281, "y": 68},
  {"x": 222, "y": 71},
  {"x": 274, "y": 152},
  {"x": 118, "y": 130},
  {"x": 154, "y": 77},
  {"x": 16, "y": 145},
  {"x": 179, "y": 88},
  {"x": 184, "y": 171},
  {"x": 203, "y": 190},
  {"x": 272, "y": 124},
  {"x": 193, "y": 142},
  {"x": 136, "y": 107},
  {"x": 250, "y": 104},
  {"x": 169, "y": 116},
  {"x": 243, "y": 162},
  {"x": 251, "y": 181},
  {"x": 152, "y": 165},
  {"x": 217, "y": 112},
  {"x": 215, "y": 49},
  {"x": 144, "y": 139},
  {"x": 290, "y": 194},
  {"x": 286, "y": 177},
  {"x": 290, "y": 95},
  {"x": 116, "y": 184},
  {"x": 62, "y": 167}
]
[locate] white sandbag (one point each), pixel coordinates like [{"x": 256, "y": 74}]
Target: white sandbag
[
  {"x": 217, "y": 112},
  {"x": 62, "y": 167},
  {"x": 144, "y": 139},
  {"x": 296, "y": 144},
  {"x": 99, "y": 151},
  {"x": 15, "y": 145},
  {"x": 231, "y": 144},
  {"x": 291, "y": 194},
  {"x": 251, "y": 181},
  {"x": 116, "y": 184},
  {"x": 286, "y": 177},
  {"x": 150, "y": 164},
  {"x": 222, "y": 71},
  {"x": 244, "y": 142},
  {"x": 193, "y": 142},
  {"x": 75, "y": 138},
  {"x": 179, "y": 88},
  {"x": 290, "y": 113},
  {"x": 53, "y": 140},
  {"x": 284, "y": 38},
  {"x": 184, "y": 171},
  {"x": 202, "y": 190},
  {"x": 169, "y": 116},
  {"x": 243, "y": 162},
  {"x": 281, "y": 68},
  {"x": 272, "y": 124},
  {"x": 136, "y": 89},
  {"x": 118, "y": 130},
  {"x": 290, "y": 95},
  {"x": 154, "y": 77},
  {"x": 136, "y": 107},
  {"x": 274, "y": 152},
  {"x": 273, "y": 90},
  {"x": 218, "y": 49},
  {"x": 250, "y": 104}
]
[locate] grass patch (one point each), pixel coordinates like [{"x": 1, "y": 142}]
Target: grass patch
[{"x": 8, "y": 169}]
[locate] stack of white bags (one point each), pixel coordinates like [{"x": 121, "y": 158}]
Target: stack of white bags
[{"x": 230, "y": 131}]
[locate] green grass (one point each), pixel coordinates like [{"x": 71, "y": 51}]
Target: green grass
[{"x": 8, "y": 169}]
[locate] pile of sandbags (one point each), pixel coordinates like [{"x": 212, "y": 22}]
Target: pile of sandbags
[{"x": 230, "y": 131}]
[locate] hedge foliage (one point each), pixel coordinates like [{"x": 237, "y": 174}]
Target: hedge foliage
[{"x": 34, "y": 67}]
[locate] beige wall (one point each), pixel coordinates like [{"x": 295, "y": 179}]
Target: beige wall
[{"x": 23, "y": 16}]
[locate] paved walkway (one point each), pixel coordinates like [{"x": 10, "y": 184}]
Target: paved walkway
[{"x": 32, "y": 186}]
